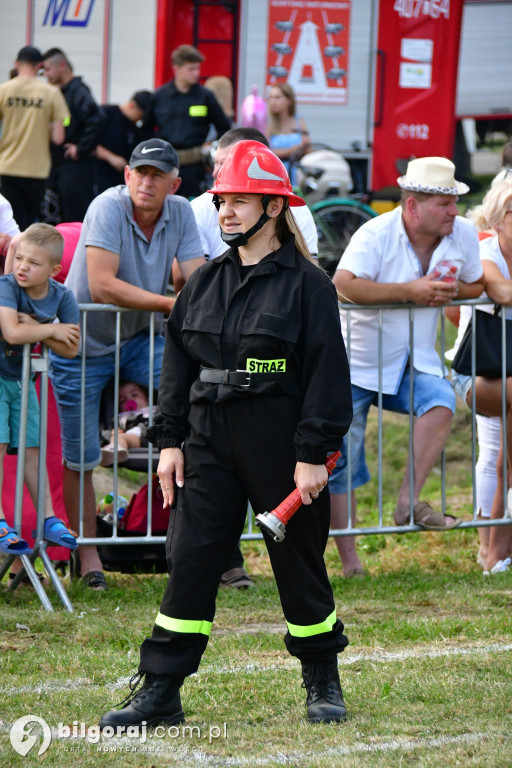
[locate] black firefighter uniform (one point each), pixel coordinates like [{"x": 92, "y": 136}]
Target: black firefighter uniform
[{"x": 242, "y": 436}]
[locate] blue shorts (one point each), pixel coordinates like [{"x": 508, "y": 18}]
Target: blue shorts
[
  {"x": 66, "y": 378},
  {"x": 10, "y": 408},
  {"x": 429, "y": 391},
  {"x": 461, "y": 384}
]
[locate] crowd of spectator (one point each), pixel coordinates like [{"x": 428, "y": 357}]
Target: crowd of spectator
[{"x": 124, "y": 175}]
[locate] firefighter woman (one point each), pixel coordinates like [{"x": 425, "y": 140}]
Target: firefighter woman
[{"x": 255, "y": 392}]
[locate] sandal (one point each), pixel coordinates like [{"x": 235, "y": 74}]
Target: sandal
[
  {"x": 356, "y": 573},
  {"x": 10, "y": 542},
  {"x": 236, "y": 577},
  {"x": 56, "y": 532},
  {"x": 500, "y": 567},
  {"x": 433, "y": 520},
  {"x": 95, "y": 580}
]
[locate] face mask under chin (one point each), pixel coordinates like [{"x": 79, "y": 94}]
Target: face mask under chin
[{"x": 238, "y": 239}]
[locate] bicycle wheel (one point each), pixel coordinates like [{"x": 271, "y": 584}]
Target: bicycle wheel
[{"x": 336, "y": 221}]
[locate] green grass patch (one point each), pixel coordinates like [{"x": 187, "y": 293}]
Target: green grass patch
[{"x": 426, "y": 675}]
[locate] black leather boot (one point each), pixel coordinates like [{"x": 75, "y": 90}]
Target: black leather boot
[
  {"x": 324, "y": 696},
  {"x": 156, "y": 701}
]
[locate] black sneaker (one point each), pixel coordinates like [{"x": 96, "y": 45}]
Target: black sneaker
[
  {"x": 324, "y": 696},
  {"x": 157, "y": 701}
]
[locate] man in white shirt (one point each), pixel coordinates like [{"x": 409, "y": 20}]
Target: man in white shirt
[
  {"x": 205, "y": 212},
  {"x": 400, "y": 257}
]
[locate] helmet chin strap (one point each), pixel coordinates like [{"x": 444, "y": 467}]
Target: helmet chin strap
[{"x": 237, "y": 239}]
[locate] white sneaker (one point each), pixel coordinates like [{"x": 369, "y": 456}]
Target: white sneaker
[{"x": 501, "y": 566}]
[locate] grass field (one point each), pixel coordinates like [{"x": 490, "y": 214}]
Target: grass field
[{"x": 427, "y": 675}]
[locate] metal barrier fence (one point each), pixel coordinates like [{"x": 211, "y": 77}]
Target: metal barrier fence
[
  {"x": 414, "y": 310},
  {"x": 41, "y": 366}
]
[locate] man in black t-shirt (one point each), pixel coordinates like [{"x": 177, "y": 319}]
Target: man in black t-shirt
[
  {"x": 121, "y": 131},
  {"x": 182, "y": 111},
  {"x": 71, "y": 177}
]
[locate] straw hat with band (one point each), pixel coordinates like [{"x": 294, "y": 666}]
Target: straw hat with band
[{"x": 433, "y": 176}]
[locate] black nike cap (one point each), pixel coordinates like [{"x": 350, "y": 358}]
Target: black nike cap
[{"x": 156, "y": 152}]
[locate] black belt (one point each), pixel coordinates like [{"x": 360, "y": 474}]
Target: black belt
[
  {"x": 224, "y": 376},
  {"x": 190, "y": 156},
  {"x": 241, "y": 378}
]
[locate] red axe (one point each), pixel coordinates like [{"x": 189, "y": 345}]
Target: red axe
[{"x": 275, "y": 522}]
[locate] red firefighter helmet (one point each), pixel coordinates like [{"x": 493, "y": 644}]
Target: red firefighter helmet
[{"x": 251, "y": 168}]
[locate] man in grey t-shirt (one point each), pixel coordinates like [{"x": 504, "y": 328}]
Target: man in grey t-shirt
[{"x": 130, "y": 236}]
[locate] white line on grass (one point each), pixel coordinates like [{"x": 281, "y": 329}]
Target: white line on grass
[
  {"x": 382, "y": 657},
  {"x": 346, "y": 659},
  {"x": 191, "y": 757},
  {"x": 298, "y": 758},
  {"x": 57, "y": 686}
]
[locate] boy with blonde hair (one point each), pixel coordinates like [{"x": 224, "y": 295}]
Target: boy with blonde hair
[{"x": 30, "y": 303}]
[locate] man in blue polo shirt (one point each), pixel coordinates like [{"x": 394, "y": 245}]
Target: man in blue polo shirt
[{"x": 130, "y": 237}]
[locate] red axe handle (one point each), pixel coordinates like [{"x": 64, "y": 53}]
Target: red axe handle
[{"x": 288, "y": 507}]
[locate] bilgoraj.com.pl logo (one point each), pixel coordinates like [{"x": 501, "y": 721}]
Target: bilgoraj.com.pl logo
[{"x": 25, "y": 733}]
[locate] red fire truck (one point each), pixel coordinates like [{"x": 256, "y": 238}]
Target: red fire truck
[{"x": 379, "y": 80}]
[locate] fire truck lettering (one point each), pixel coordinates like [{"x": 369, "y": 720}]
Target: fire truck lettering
[
  {"x": 420, "y": 131},
  {"x": 56, "y": 9},
  {"x": 408, "y": 9},
  {"x": 65, "y": 13}
]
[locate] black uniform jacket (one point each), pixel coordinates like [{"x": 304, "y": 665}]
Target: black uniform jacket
[
  {"x": 85, "y": 124},
  {"x": 281, "y": 323},
  {"x": 119, "y": 135},
  {"x": 185, "y": 118}
]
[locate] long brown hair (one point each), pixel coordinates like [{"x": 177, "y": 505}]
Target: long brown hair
[
  {"x": 273, "y": 122},
  {"x": 286, "y": 228}
]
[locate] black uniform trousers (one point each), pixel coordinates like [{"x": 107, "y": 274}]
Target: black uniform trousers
[
  {"x": 193, "y": 177},
  {"x": 25, "y": 196},
  {"x": 238, "y": 450},
  {"x": 73, "y": 182}
]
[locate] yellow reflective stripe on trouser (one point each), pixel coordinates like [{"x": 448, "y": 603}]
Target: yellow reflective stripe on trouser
[
  {"x": 308, "y": 630},
  {"x": 184, "y": 625}
]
